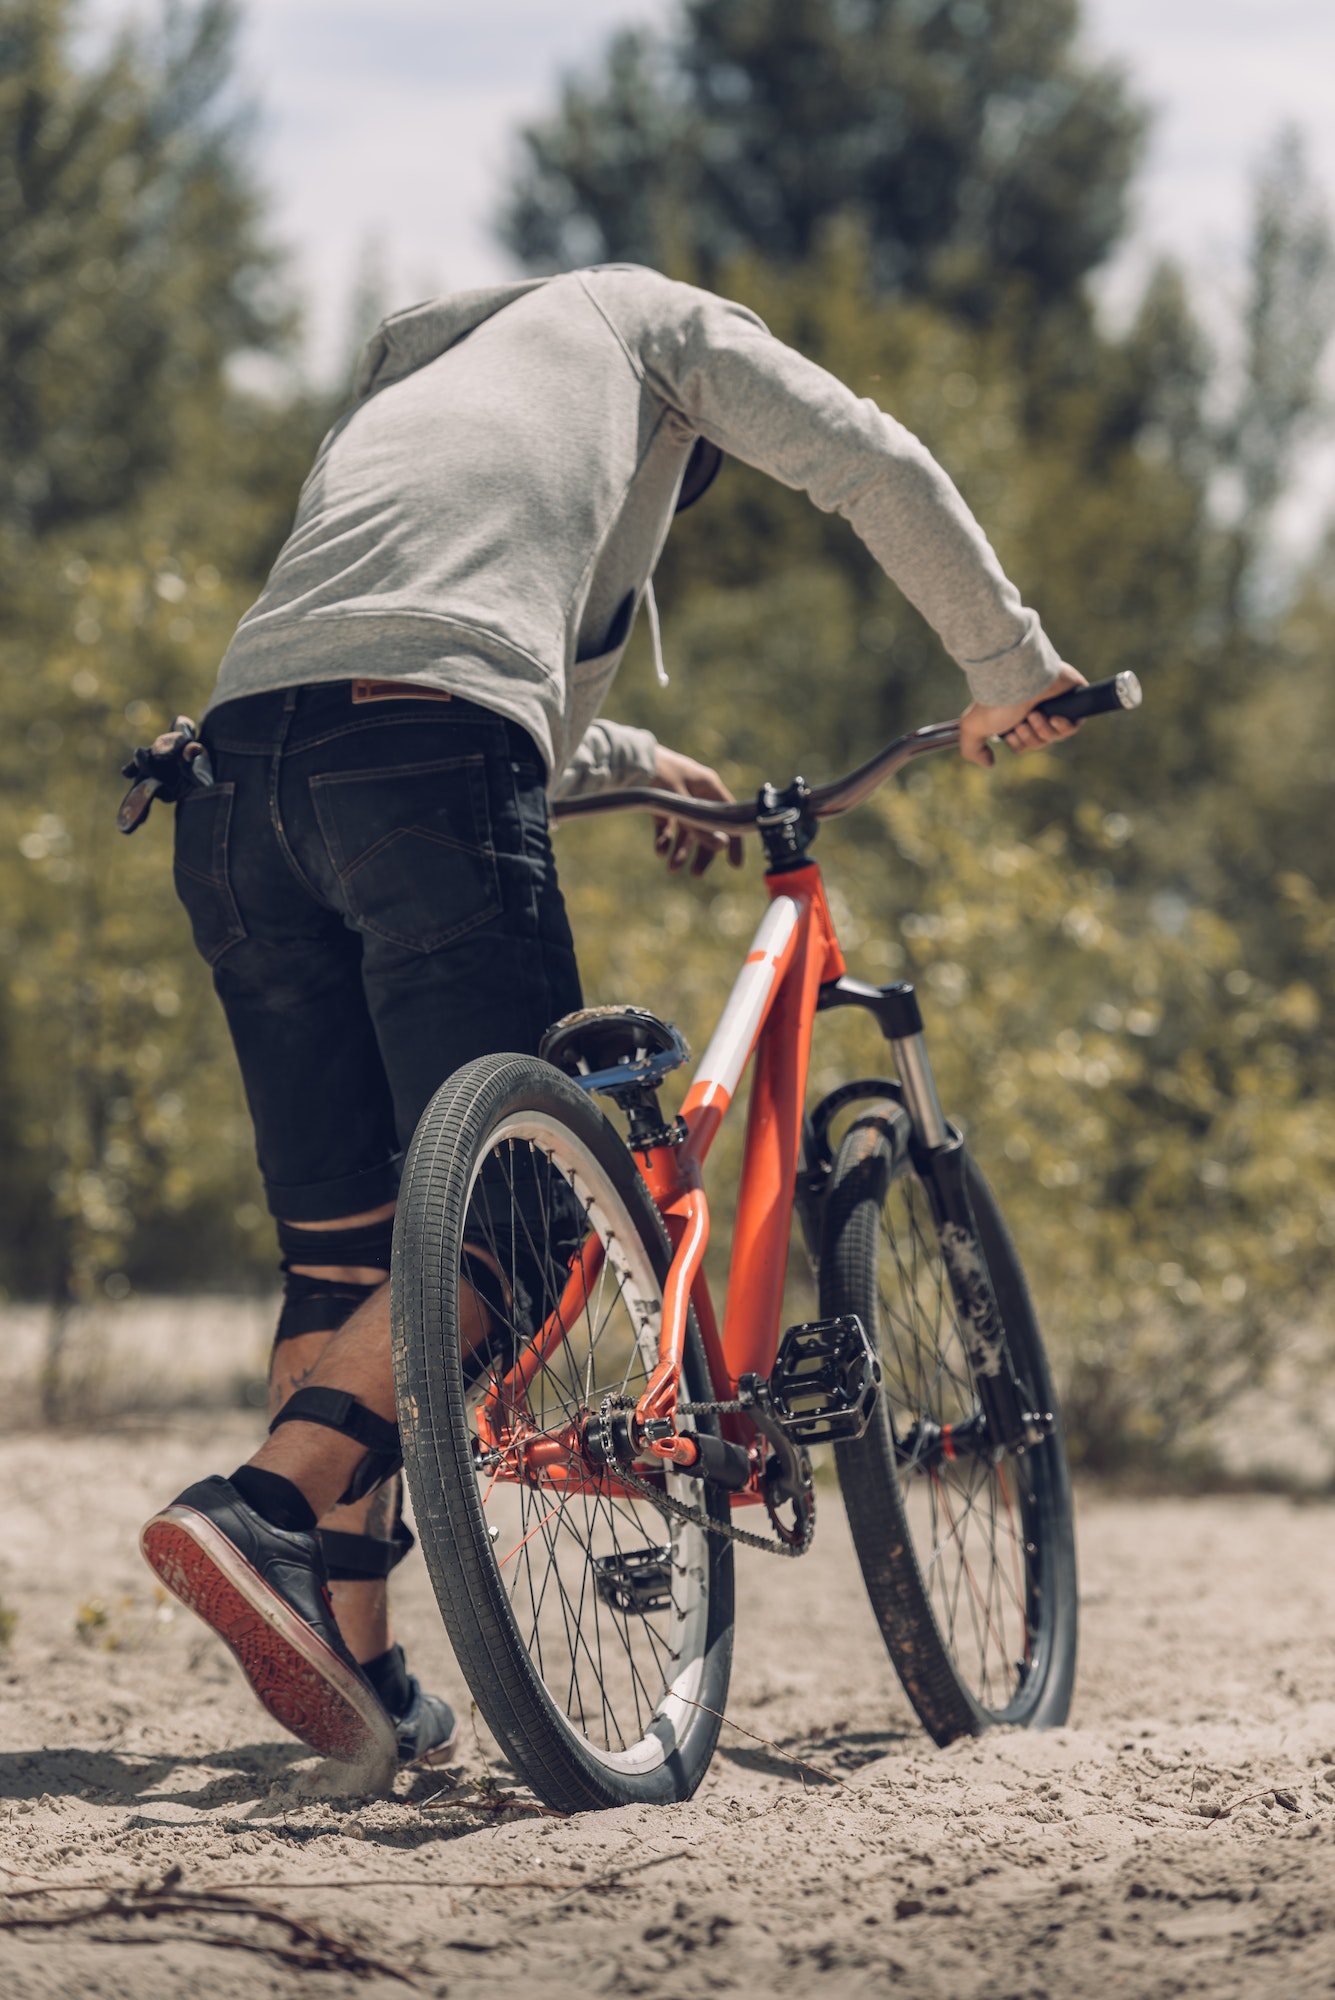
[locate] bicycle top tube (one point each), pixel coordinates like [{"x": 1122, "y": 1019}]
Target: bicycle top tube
[{"x": 842, "y": 794}]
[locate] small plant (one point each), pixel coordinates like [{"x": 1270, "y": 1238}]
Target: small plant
[
  {"x": 126, "y": 1625},
  {"x": 8, "y": 1626},
  {"x": 92, "y": 1625}
]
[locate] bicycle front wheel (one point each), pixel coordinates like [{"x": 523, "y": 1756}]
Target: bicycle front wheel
[
  {"x": 594, "y": 1626},
  {"x": 968, "y": 1554}
]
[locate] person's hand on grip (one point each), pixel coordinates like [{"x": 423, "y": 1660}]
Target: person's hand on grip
[
  {"x": 677, "y": 843},
  {"x": 1016, "y": 723}
]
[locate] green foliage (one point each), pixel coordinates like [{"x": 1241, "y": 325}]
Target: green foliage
[
  {"x": 127, "y": 1142},
  {"x": 972, "y": 143},
  {"x": 1124, "y": 950},
  {"x": 141, "y": 500},
  {"x": 1143, "y": 1103},
  {"x": 130, "y": 268}
]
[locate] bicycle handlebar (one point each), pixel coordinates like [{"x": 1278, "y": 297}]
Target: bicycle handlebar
[{"x": 842, "y": 794}]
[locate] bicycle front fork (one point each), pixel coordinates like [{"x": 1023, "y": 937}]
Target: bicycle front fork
[{"x": 1013, "y": 1424}]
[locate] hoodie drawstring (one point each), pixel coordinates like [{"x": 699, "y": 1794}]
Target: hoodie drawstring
[{"x": 655, "y": 633}]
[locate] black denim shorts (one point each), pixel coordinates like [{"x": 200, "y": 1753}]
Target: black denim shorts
[{"x": 374, "y": 888}]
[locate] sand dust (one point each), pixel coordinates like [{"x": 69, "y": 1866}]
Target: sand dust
[{"x": 1178, "y": 1838}]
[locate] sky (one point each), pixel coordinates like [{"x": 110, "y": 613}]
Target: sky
[{"x": 385, "y": 127}]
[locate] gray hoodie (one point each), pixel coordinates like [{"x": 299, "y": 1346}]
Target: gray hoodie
[{"x": 488, "y": 515}]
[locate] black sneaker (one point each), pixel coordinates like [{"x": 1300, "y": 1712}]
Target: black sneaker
[
  {"x": 427, "y": 1730},
  {"x": 264, "y": 1592}
]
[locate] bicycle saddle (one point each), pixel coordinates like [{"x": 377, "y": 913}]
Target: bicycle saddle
[{"x": 610, "y": 1046}]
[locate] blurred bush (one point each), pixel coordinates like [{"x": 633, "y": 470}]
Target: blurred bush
[
  {"x": 1124, "y": 950},
  {"x": 142, "y": 496}
]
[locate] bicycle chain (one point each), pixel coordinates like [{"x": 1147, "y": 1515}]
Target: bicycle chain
[{"x": 696, "y": 1517}]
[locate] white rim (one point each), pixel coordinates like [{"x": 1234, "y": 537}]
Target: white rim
[{"x": 687, "y": 1623}]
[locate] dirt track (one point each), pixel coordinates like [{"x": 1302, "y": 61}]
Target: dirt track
[{"x": 1178, "y": 1838}]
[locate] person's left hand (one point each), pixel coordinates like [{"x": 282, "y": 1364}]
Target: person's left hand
[{"x": 677, "y": 843}]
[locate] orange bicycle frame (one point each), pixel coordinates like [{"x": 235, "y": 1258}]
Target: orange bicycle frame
[{"x": 769, "y": 1011}]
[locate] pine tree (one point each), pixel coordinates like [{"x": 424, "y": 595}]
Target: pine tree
[
  {"x": 142, "y": 496},
  {"x": 971, "y": 140},
  {"x": 131, "y": 265}
]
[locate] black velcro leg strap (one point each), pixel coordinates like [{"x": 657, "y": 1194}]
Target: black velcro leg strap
[
  {"x": 353, "y": 1558},
  {"x": 317, "y": 1305},
  {"x": 368, "y": 1244},
  {"x": 339, "y": 1411}
]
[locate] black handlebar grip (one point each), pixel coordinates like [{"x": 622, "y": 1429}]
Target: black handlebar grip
[{"x": 1122, "y": 691}]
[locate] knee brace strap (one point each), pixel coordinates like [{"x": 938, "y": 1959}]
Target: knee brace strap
[
  {"x": 317, "y": 1305},
  {"x": 367, "y": 1243},
  {"x": 339, "y": 1411},
  {"x": 351, "y": 1558}
]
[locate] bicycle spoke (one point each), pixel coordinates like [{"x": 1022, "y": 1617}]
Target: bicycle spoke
[{"x": 605, "y": 1663}]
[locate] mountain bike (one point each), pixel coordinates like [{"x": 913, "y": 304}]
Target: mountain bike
[{"x": 586, "y": 1444}]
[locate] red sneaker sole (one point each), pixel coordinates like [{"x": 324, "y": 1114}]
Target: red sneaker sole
[{"x": 298, "y": 1678}]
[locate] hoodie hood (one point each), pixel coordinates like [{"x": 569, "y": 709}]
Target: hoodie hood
[{"x": 410, "y": 339}]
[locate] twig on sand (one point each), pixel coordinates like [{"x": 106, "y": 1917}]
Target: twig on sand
[
  {"x": 1275, "y": 1792},
  {"x": 282, "y": 1883},
  {"x": 830, "y": 1777},
  {"x": 614, "y": 1876},
  {"x": 309, "y": 1947}
]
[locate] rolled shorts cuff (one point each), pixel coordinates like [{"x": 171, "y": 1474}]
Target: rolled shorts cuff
[{"x": 326, "y": 1201}]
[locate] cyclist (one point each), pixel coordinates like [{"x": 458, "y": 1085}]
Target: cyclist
[{"x": 370, "y": 876}]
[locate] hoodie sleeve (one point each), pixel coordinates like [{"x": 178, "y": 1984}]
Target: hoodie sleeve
[
  {"x": 609, "y": 755},
  {"x": 764, "y": 403}
]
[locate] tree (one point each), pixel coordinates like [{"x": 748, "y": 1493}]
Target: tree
[
  {"x": 131, "y": 267},
  {"x": 1287, "y": 323},
  {"x": 142, "y": 496},
  {"x": 1124, "y": 949},
  {"x": 970, "y": 140}
]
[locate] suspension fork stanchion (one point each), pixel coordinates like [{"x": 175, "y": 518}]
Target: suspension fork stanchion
[{"x": 938, "y": 1150}]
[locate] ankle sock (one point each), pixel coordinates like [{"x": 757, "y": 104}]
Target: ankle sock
[
  {"x": 275, "y": 1499},
  {"x": 388, "y": 1675}
]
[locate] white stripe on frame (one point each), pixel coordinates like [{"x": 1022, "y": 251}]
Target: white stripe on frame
[{"x": 733, "y": 1039}]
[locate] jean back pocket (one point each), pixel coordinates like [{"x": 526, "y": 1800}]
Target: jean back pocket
[
  {"x": 199, "y": 869},
  {"x": 412, "y": 844}
]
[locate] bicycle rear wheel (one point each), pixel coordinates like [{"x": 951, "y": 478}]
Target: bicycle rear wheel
[
  {"x": 969, "y": 1558},
  {"x": 594, "y": 1629}
]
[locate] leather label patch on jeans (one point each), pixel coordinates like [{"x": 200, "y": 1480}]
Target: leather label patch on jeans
[{"x": 396, "y": 691}]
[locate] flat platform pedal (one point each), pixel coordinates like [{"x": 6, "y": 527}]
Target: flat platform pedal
[
  {"x": 825, "y": 1381},
  {"x": 635, "y": 1580}
]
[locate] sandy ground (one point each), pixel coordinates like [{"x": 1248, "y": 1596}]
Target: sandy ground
[{"x": 1178, "y": 1838}]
